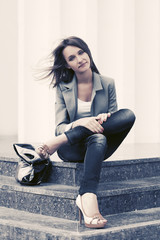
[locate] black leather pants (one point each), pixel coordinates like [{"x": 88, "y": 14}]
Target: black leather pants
[{"x": 90, "y": 148}]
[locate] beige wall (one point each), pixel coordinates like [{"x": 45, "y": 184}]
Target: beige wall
[{"x": 124, "y": 37}]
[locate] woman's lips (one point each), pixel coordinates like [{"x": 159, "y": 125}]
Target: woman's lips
[{"x": 82, "y": 65}]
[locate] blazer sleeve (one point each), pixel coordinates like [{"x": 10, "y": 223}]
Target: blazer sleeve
[
  {"x": 112, "y": 106},
  {"x": 61, "y": 114}
]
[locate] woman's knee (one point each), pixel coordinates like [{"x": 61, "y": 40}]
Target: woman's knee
[
  {"x": 129, "y": 115},
  {"x": 74, "y": 153},
  {"x": 98, "y": 139}
]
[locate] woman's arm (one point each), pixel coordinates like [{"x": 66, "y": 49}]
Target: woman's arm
[
  {"x": 62, "y": 120},
  {"x": 91, "y": 123},
  {"x": 112, "y": 107}
]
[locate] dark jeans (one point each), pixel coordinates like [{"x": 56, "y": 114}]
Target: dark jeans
[{"x": 92, "y": 148}]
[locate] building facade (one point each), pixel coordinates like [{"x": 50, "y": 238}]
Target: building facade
[{"x": 124, "y": 38}]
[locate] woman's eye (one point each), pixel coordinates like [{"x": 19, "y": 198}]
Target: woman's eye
[{"x": 71, "y": 58}]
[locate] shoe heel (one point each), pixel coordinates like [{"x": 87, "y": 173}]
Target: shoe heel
[
  {"x": 80, "y": 217},
  {"x": 90, "y": 222}
]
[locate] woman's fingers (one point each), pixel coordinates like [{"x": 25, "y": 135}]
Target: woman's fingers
[
  {"x": 103, "y": 117},
  {"x": 94, "y": 126},
  {"x": 92, "y": 123}
]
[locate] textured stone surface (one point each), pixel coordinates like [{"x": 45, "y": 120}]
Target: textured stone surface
[
  {"x": 71, "y": 173},
  {"x": 8, "y": 166},
  {"x": 19, "y": 225},
  {"x": 130, "y": 169},
  {"x": 59, "y": 200},
  {"x": 126, "y": 185},
  {"x": 52, "y": 200}
]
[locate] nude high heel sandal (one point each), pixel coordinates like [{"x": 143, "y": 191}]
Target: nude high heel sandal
[
  {"x": 43, "y": 151},
  {"x": 90, "y": 222},
  {"x": 29, "y": 154}
]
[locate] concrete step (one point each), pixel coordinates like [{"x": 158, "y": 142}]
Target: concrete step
[
  {"x": 71, "y": 173},
  {"x": 59, "y": 200},
  {"x": 21, "y": 225}
]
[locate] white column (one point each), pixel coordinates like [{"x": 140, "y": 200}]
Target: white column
[
  {"x": 8, "y": 68},
  {"x": 39, "y": 27},
  {"x": 147, "y": 71},
  {"x": 79, "y": 18},
  {"x": 116, "y": 48},
  {"x": 110, "y": 41}
]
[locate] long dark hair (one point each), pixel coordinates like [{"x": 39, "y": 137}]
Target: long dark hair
[{"x": 59, "y": 71}]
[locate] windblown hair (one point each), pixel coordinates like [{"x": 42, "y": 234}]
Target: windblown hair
[{"x": 59, "y": 72}]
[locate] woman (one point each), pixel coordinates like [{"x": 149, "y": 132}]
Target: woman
[{"x": 88, "y": 126}]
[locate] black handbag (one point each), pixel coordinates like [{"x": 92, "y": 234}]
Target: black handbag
[{"x": 31, "y": 169}]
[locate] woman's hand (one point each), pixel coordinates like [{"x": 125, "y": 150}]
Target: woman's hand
[
  {"x": 89, "y": 122},
  {"x": 102, "y": 117}
]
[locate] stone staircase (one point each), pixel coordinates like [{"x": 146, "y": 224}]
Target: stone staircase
[{"x": 128, "y": 195}]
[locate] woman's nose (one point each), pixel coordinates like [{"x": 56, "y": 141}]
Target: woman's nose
[{"x": 79, "y": 59}]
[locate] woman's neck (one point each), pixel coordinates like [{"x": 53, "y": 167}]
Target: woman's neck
[{"x": 85, "y": 77}]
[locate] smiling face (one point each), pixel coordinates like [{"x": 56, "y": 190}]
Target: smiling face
[{"x": 76, "y": 59}]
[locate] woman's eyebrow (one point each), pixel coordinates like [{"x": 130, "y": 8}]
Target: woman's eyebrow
[{"x": 74, "y": 54}]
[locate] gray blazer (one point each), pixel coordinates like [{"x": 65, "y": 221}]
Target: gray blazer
[{"x": 103, "y": 100}]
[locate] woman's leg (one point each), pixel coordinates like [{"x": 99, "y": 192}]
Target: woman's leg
[
  {"x": 72, "y": 153},
  {"x": 96, "y": 147},
  {"x": 119, "y": 122},
  {"x": 100, "y": 147},
  {"x": 72, "y": 137},
  {"x": 116, "y": 129},
  {"x": 92, "y": 151}
]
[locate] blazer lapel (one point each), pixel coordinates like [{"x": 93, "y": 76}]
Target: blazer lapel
[
  {"x": 69, "y": 91},
  {"x": 97, "y": 86}
]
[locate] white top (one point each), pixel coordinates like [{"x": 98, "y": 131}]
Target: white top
[{"x": 83, "y": 110}]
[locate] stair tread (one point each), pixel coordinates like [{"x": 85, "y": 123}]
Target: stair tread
[
  {"x": 9, "y": 183},
  {"x": 47, "y": 224},
  {"x": 109, "y": 189},
  {"x": 71, "y": 173},
  {"x": 32, "y": 220},
  {"x": 108, "y": 162}
]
